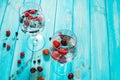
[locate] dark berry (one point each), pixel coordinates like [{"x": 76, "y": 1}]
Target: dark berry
[
  {"x": 32, "y": 70},
  {"x": 27, "y": 14},
  {"x": 26, "y": 23},
  {"x": 39, "y": 68},
  {"x": 64, "y": 42},
  {"x": 70, "y": 76},
  {"x": 4, "y": 44},
  {"x": 19, "y": 61},
  {"x": 16, "y": 33},
  {"x": 22, "y": 54},
  {"x": 8, "y": 47},
  {"x": 50, "y": 38},
  {"x": 38, "y": 60},
  {"x": 34, "y": 61}
]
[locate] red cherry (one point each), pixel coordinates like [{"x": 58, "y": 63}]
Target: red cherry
[
  {"x": 41, "y": 78},
  {"x": 56, "y": 44},
  {"x": 27, "y": 14},
  {"x": 63, "y": 51},
  {"x": 22, "y": 54},
  {"x": 55, "y": 55},
  {"x": 8, "y": 47},
  {"x": 30, "y": 17},
  {"x": 32, "y": 11},
  {"x": 19, "y": 61},
  {"x": 26, "y": 23},
  {"x": 39, "y": 68},
  {"x": 46, "y": 51},
  {"x": 32, "y": 70},
  {"x": 64, "y": 42},
  {"x": 70, "y": 76},
  {"x": 7, "y": 33}
]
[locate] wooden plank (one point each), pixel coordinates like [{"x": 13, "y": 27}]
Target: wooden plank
[
  {"x": 113, "y": 20},
  {"x": 10, "y": 22},
  {"x": 3, "y": 6},
  {"x": 99, "y": 41},
  {"x": 81, "y": 27}
]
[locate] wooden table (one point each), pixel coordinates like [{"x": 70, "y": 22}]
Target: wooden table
[{"x": 96, "y": 24}]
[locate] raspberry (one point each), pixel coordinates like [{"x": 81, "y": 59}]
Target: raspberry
[
  {"x": 56, "y": 44},
  {"x": 27, "y": 14},
  {"x": 26, "y": 23},
  {"x": 7, "y": 33},
  {"x": 30, "y": 17},
  {"x": 32, "y": 11}
]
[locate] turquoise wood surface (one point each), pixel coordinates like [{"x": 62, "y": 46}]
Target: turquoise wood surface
[{"x": 96, "y": 24}]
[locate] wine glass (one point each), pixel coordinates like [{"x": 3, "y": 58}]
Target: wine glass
[
  {"x": 63, "y": 50},
  {"x": 32, "y": 22}
]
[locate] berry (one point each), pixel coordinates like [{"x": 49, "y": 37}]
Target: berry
[
  {"x": 35, "y": 18},
  {"x": 50, "y": 38},
  {"x": 63, "y": 51},
  {"x": 30, "y": 17},
  {"x": 32, "y": 11},
  {"x": 19, "y": 61},
  {"x": 38, "y": 60},
  {"x": 56, "y": 44},
  {"x": 64, "y": 42},
  {"x": 16, "y": 33},
  {"x": 39, "y": 19},
  {"x": 27, "y": 14},
  {"x": 8, "y": 47},
  {"x": 39, "y": 68},
  {"x": 22, "y": 54},
  {"x": 26, "y": 23},
  {"x": 70, "y": 76},
  {"x": 32, "y": 70},
  {"x": 34, "y": 61},
  {"x": 45, "y": 51},
  {"x": 41, "y": 78},
  {"x": 4, "y": 44},
  {"x": 55, "y": 55},
  {"x": 7, "y": 33}
]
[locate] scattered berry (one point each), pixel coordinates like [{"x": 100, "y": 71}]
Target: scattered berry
[
  {"x": 64, "y": 42},
  {"x": 45, "y": 51},
  {"x": 7, "y": 33},
  {"x": 4, "y": 44},
  {"x": 8, "y": 47},
  {"x": 32, "y": 70},
  {"x": 16, "y": 33},
  {"x": 19, "y": 61},
  {"x": 27, "y": 14},
  {"x": 22, "y": 54},
  {"x": 26, "y": 23},
  {"x": 34, "y": 61},
  {"x": 41, "y": 78},
  {"x": 39, "y": 68},
  {"x": 50, "y": 38},
  {"x": 32, "y": 11},
  {"x": 70, "y": 76},
  {"x": 35, "y": 18},
  {"x": 56, "y": 44},
  {"x": 63, "y": 51},
  {"x": 55, "y": 55},
  {"x": 38, "y": 60}
]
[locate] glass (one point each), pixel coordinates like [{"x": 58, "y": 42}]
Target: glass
[
  {"x": 32, "y": 22},
  {"x": 63, "y": 50}
]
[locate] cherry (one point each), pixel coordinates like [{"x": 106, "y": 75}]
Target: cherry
[
  {"x": 7, "y": 33},
  {"x": 70, "y": 76},
  {"x": 39, "y": 68},
  {"x": 56, "y": 44},
  {"x": 19, "y": 61},
  {"x": 22, "y": 54},
  {"x": 64, "y": 42},
  {"x": 8, "y": 47},
  {"x": 32, "y": 70},
  {"x": 46, "y": 51},
  {"x": 41, "y": 78}
]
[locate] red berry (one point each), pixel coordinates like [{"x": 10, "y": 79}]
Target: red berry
[
  {"x": 32, "y": 11},
  {"x": 19, "y": 61},
  {"x": 32, "y": 70},
  {"x": 22, "y": 54},
  {"x": 64, "y": 42},
  {"x": 39, "y": 68},
  {"x": 7, "y": 33},
  {"x": 8, "y": 47},
  {"x": 55, "y": 55},
  {"x": 26, "y": 23},
  {"x": 27, "y": 14},
  {"x": 56, "y": 44},
  {"x": 41, "y": 78},
  {"x": 63, "y": 51},
  {"x": 35, "y": 18},
  {"x": 45, "y": 51},
  {"x": 39, "y": 19},
  {"x": 70, "y": 76},
  {"x": 30, "y": 17}
]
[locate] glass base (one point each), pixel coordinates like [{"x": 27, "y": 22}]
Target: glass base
[
  {"x": 61, "y": 69},
  {"x": 36, "y": 43}
]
